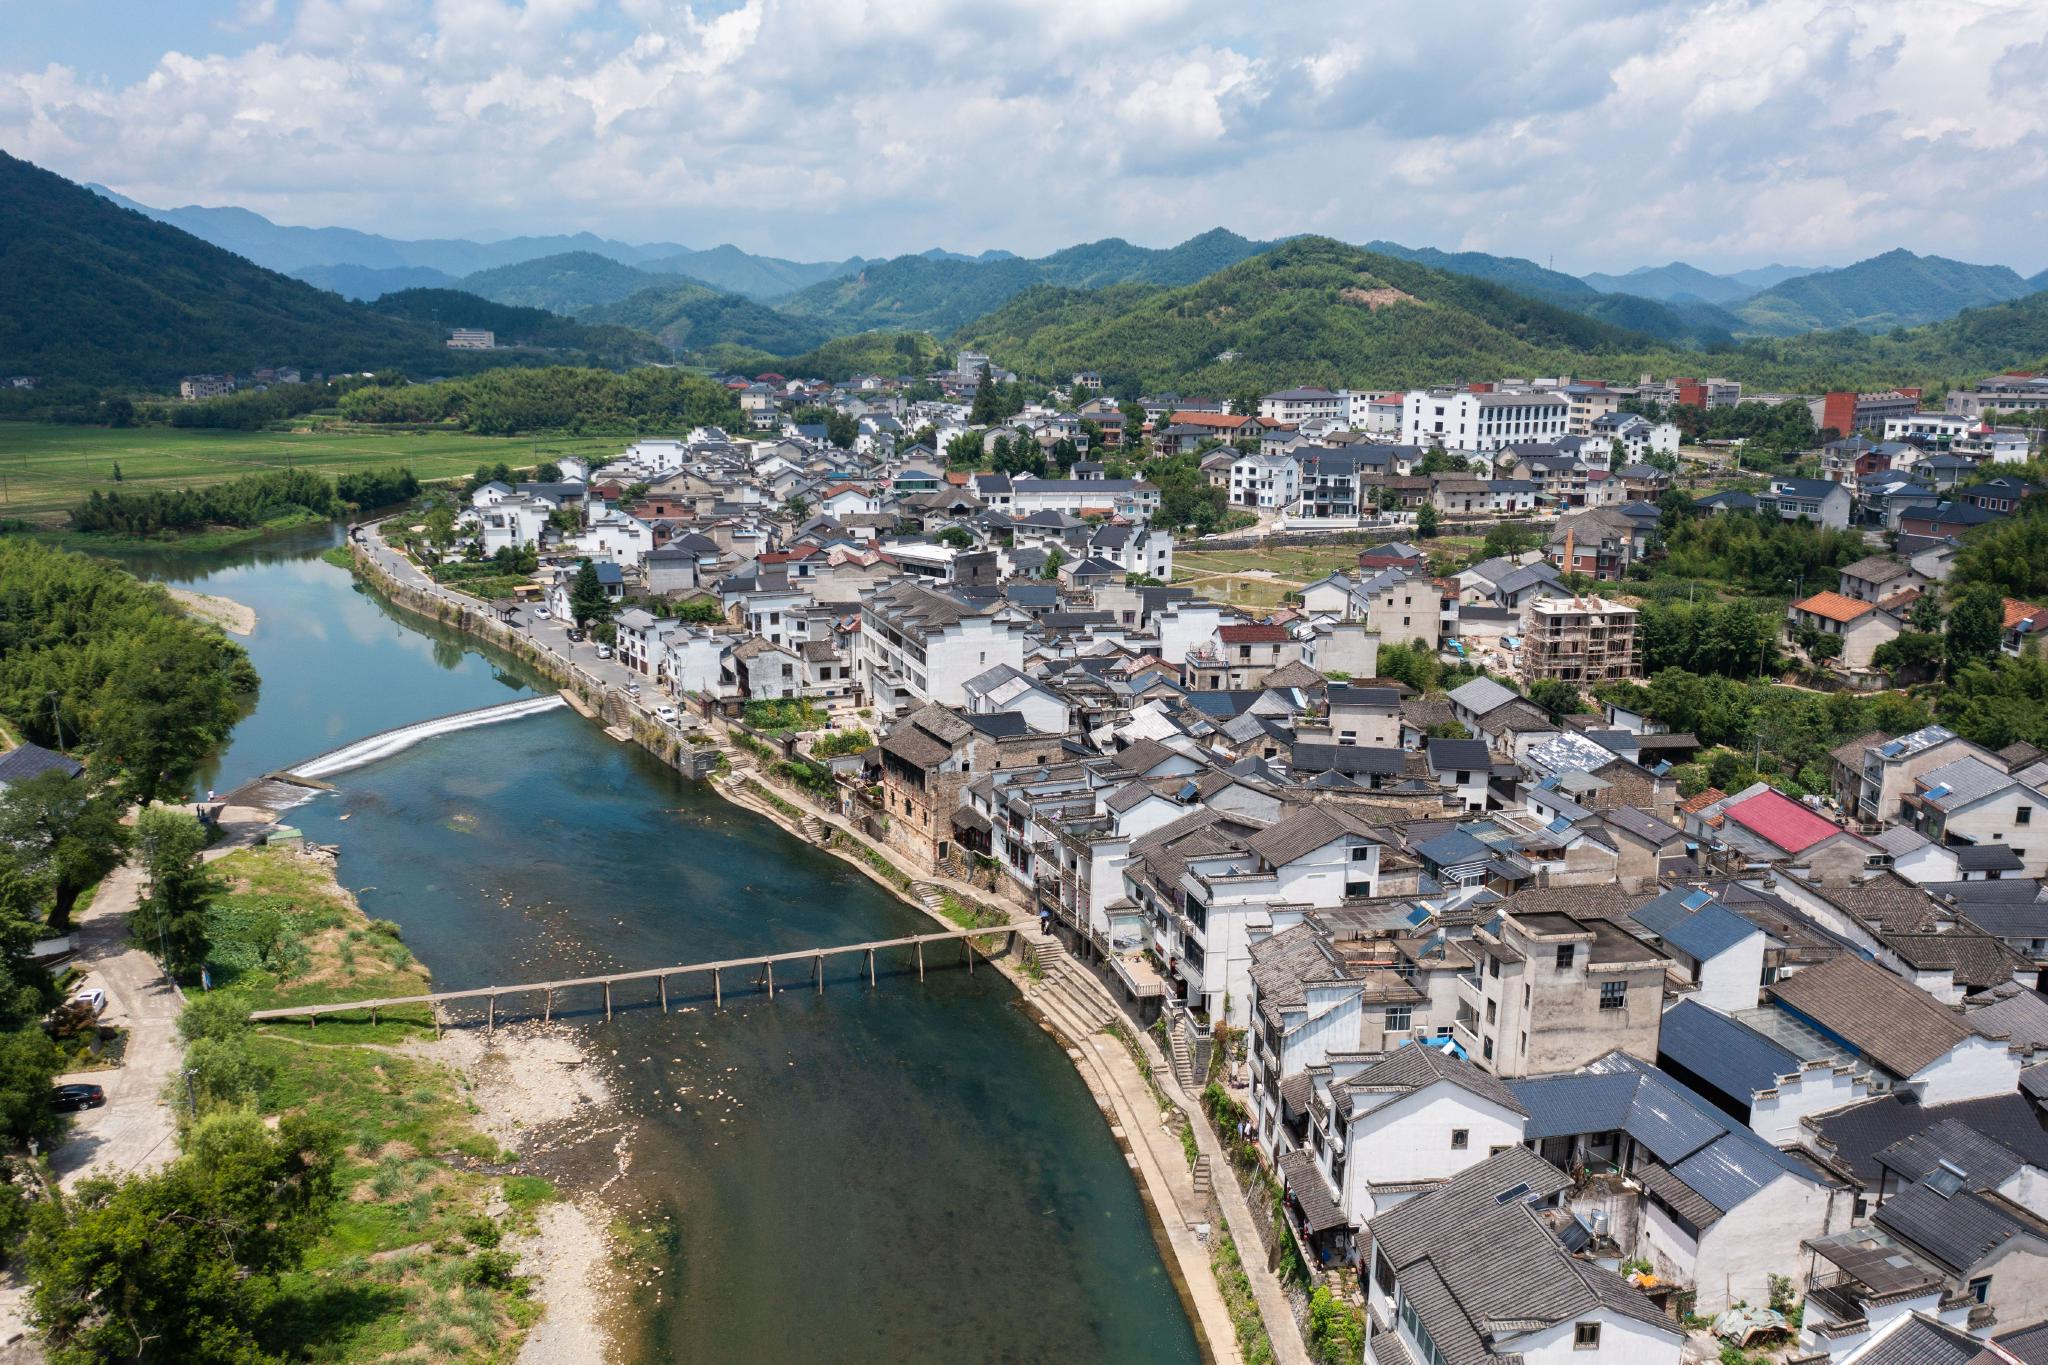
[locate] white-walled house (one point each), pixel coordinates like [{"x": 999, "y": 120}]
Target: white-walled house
[
  {"x": 1750, "y": 1072},
  {"x": 1720, "y": 951},
  {"x": 917, "y": 646},
  {"x": 618, "y": 536},
  {"x": 1719, "y": 1209},
  {"x": 1478, "y": 1250},
  {"x": 1924, "y": 1046}
]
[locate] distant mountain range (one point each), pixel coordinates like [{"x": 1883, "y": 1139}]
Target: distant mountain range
[
  {"x": 1682, "y": 283},
  {"x": 94, "y": 292}
]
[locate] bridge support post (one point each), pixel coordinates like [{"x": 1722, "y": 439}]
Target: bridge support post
[
  {"x": 920, "y": 959},
  {"x": 717, "y": 994},
  {"x": 819, "y": 973},
  {"x": 769, "y": 967},
  {"x": 871, "y": 966},
  {"x": 607, "y": 1001},
  {"x": 491, "y": 1017},
  {"x": 968, "y": 944},
  {"x": 664, "y": 993},
  {"x": 547, "y": 1009}
]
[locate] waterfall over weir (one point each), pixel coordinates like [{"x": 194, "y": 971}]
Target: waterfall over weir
[{"x": 389, "y": 742}]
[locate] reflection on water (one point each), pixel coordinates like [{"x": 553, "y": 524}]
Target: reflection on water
[
  {"x": 337, "y": 663},
  {"x": 908, "y": 1172}
]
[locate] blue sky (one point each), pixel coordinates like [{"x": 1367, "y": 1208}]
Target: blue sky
[{"x": 1599, "y": 135}]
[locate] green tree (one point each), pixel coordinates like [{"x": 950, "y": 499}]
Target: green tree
[
  {"x": 65, "y": 834},
  {"x": 1557, "y": 697},
  {"x": 587, "y": 600},
  {"x": 117, "y": 471},
  {"x": 1054, "y": 558},
  {"x": 701, "y": 610},
  {"x": 29, "y": 1061},
  {"x": 171, "y": 920},
  {"x": 181, "y": 1265},
  {"x": 1425, "y": 521},
  {"x": 1974, "y": 624},
  {"x": 1506, "y": 539},
  {"x": 956, "y": 536},
  {"x": 988, "y": 402},
  {"x": 547, "y": 472}
]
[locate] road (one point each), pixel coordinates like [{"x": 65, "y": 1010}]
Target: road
[{"x": 551, "y": 635}]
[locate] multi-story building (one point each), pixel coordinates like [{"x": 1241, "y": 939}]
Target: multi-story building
[
  {"x": 1844, "y": 411},
  {"x": 1268, "y": 481},
  {"x": 1460, "y": 419},
  {"x": 1589, "y": 403},
  {"x": 1295, "y": 406},
  {"x": 472, "y": 339},
  {"x": 2016, "y": 391},
  {"x": 918, "y": 646},
  {"x": 1551, "y": 993},
  {"x": 1582, "y": 640},
  {"x": 206, "y": 386}
]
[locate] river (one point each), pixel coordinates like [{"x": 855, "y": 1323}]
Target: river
[{"x": 908, "y": 1172}]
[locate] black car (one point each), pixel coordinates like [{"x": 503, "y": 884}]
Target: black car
[
  {"x": 70, "y": 1098},
  {"x": 575, "y": 636}
]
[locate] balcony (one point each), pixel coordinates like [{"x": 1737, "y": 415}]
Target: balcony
[{"x": 1469, "y": 992}]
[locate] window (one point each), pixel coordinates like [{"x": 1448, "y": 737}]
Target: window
[
  {"x": 1492, "y": 966},
  {"x": 1461, "y": 1138},
  {"x": 1360, "y": 852},
  {"x": 1486, "y": 1049},
  {"x": 2024, "y": 816},
  {"x": 1489, "y": 1011},
  {"x": 1564, "y": 956},
  {"x": 1400, "y": 1018},
  {"x": 1613, "y": 995},
  {"x": 1980, "y": 1289},
  {"x": 1586, "y": 1336}
]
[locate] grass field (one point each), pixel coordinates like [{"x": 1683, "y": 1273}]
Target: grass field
[
  {"x": 1291, "y": 566},
  {"x": 46, "y": 468}
]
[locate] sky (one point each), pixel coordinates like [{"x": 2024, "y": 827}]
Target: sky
[{"x": 1591, "y": 135}]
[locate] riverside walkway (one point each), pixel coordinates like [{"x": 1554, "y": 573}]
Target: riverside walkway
[{"x": 814, "y": 958}]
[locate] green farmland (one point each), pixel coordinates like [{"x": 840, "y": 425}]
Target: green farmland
[{"x": 46, "y": 468}]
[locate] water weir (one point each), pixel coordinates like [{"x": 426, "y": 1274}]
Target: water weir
[{"x": 388, "y": 742}]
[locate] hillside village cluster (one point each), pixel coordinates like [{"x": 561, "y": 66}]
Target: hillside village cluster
[{"x": 1549, "y": 1062}]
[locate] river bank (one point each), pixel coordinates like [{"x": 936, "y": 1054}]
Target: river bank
[
  {"x": 230, "y": 615},
  {"x": 442, "y": 1135},
  {"x": 1154, "y": 1132}
]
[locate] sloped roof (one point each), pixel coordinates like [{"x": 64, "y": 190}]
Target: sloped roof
[
  {"x": 1784, "y": 822},
  {"x": 1414, "y": 1065},
  {"x": 25, "y": 761},
  {"x": 1833, "y": 606},
  {"x": 1725, "y": 1053},
  {"x": 1895, "y": 1024}
]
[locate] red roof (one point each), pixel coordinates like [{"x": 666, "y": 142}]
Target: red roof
[
  {"x": 1783, "y": 821},
  {"x": 1251, "y": 635},
  {"x": 1224, "y": 421}
]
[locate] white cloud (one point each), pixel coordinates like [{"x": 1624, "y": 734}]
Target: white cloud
[{"x": 1608, "y": 133}]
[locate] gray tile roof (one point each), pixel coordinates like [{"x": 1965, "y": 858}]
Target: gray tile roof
[
  {"x": 1414, "y": 1065},
  {"x": 1476, "y": 1262},
  {"x": 1897, "y": 1025},
  {"x": 1482, "y": 695},
  {"x": 1915, "y": 1339},
  {"x": 1693, "y": 922},
  {"x": 1853, "y": 1136},
  {"x": 33, "y": 760},
  {"x": 1724, "y": 1053}
]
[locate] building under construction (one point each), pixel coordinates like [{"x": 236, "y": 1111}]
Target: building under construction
[{"x": 1582, "y": 640}]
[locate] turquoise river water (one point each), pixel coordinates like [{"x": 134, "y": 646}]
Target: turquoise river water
[{"x": 906, "y": 1173}]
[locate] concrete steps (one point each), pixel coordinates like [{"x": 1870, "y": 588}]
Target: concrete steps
[
  {"x": 1205, "y": 1185},
  {"x": 815, "y": 830},
  {"x": 1183, "y": 1060}
]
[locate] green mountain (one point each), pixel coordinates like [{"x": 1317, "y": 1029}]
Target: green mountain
[
  {"x": 1897, "y": 289},
  {"x": 366, "y": 283},
  {"x": 911, "y": 293},
  {"x": 1311, "y": 311},
  {"x": 889, "y": 353},
  {"x": 692, "y": 318},
  {"x": 1687, "y": 324},
  {"x": 1115, "y": 261},
  {"x": 1676, "y": 281},
  {"x": 740, "y": 272},
  {"x": 936, "y": 294},
  {"x": 515, "y": 326},
  {"x": 567, "y": 283},
  {"x": 1938, "y": 356},
  {"x": 93, "y": 292}
]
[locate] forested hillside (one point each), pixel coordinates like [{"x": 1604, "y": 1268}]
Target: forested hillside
[
  {"x": 565, "y": 284},
  {"x": 516, "y": 326},
  {"x": 97, "y": 293},
  {"x": 691, "y": 318},
  {"x": 519, "y": 402},
  {"x": 1897, "y": 289},
  {"x": 1695, "y": 323},
  {"x": 1310, "y": 311}
]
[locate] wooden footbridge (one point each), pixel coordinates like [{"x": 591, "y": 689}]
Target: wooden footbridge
[{"x": 813, "y": 958}]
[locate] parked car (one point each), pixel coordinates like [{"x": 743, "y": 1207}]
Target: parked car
[
  {"x": 668, "y": 715},
  {"x": 604, "y": 651},
  {"x": 543, "y": 613},
  {"x": 575, "y": 636},
  {"x": 70, "y": 1099},
  {"x": 92, "y": 997}
]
